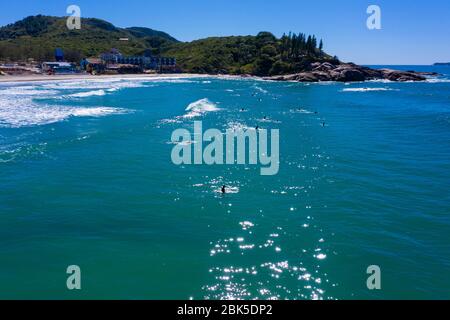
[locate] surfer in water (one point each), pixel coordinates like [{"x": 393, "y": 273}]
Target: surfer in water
[{"x": 224, "y": 189}]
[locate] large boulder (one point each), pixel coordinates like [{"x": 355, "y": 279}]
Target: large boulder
[
  {"x": 349, "y": 72},
  {"x": 307, "y": 77},
  {"x": 326, "y": 66},
  {"x": 401, "y": 76},
  {"x": 351, "y": 75}
]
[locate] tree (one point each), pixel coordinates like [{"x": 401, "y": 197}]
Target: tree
[{"x": 280, "y": 67}]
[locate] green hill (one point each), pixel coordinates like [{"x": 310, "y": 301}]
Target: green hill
[
  {"x": 260, "y": 55},
  {"x": 264, "y": 54},
  {"x": 142, "y": 32},
  {"x": 37, "y": 37}
]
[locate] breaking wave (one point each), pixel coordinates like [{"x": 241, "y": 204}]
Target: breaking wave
[
  {"x": 25, "y": 114},
  {"x": 438, "y": 80},
  {"x": 26, "y": 91},
  {"x": 97, "y": 93},
  {"x": 366, "y": 89},
  {"x": 200, "y": 107},
  {"x": 20, "y": 110},
  {"x": 92, "y": 84}
]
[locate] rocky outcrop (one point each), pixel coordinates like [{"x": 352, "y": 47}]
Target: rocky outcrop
[{"x": 350, "y": 72}]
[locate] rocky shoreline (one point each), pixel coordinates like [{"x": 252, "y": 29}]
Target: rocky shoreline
[{"x": 350, "y": 72}]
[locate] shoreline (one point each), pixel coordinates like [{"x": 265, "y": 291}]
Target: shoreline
[
  {"x": 284, "y": 78},
  {"x": 45, "y": 78}
]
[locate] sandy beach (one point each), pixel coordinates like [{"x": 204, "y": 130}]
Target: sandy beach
[{"x": 84, "y": 76}]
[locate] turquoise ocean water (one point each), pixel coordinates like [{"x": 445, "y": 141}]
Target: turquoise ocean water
[{"x": 86, "y": 179}]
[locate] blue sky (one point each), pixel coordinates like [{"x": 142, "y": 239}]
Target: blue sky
[{"x": 413, "y": 32}]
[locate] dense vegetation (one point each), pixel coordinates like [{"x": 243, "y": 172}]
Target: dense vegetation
[
  {"x": 36, "y": 37},
  {"x": 261, "y": 55}
]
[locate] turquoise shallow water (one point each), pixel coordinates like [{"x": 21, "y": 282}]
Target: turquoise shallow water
[{"x": 86, "y": 178}]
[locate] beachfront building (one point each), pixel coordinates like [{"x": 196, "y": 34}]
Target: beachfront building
[
  {"x": 145, "y": 62},
  {"x": 93, "y": 65},
  {"x": 167, "y": 64},
  {"x": 111, "y": 57},
  {"x": 150, "y": 63},
  {"x": 123, "y": 69},
  {"x": 58, "y": 67},
  {"x": 115, "y": 62}
]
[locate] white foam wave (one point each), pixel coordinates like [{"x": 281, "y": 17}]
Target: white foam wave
[
  {"x": 95, "y": 84},
  {"x": 303, "y": 111},
  {"x": 200, "y": 107},
  {"x": 437, "y": 80},
  {"x": 170, "y": 121},
  {"x": 94, "y": 112},
  {"x": 377, "y": 81},
  {"x": 169, "y": 80},
  {"x": 16, "y": 112},
  {"x": 97, "y": 93},
  {"x": 267, "y": 120},
  {"x": 260, "y": 89},
  {"x": 367, "y": 89},
  {"x": 237, "y": 126},
  {"x": 26, "y": 91}
]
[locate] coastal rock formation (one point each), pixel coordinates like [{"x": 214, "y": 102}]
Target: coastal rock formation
[{"x": 350, "y": 72}]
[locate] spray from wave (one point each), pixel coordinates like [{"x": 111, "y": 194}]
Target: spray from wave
[{"x": 199, "y": 108}]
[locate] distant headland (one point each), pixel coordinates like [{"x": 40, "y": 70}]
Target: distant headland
[{"x": 442, "y": 64}]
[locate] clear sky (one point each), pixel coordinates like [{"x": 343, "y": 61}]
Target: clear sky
[{"x": 413, "y": 32}]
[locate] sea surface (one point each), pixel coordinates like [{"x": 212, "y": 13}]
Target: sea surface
[{"x": 86, "y": 179}]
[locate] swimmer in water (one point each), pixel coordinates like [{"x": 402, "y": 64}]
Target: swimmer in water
[
  {"x": 257, "y": 128},
  {"x": 224, "y": 189},
  {"x": 323, "y": 124}
]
